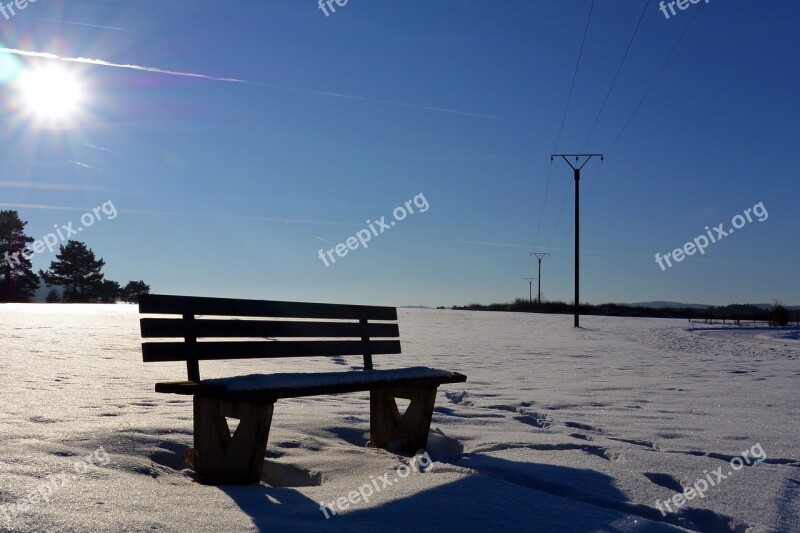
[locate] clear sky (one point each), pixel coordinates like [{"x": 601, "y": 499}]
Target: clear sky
[{"x": 231, "y": 188}]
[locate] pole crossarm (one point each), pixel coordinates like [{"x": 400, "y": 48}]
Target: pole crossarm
[{"x": 577, "y": 159}]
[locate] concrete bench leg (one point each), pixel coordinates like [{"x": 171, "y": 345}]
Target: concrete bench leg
[
  {"x": 411, "y": 428},
  {"x": 224, "y": 459}
]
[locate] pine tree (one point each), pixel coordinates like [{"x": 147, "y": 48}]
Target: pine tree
[
  {"x": 53, "y": 296},
  {"x": 109, "y": 291},
  {"x": 18, "y": 282},
  {"x": 132, "y": 291},
  {"x": 78, "y": 271}
]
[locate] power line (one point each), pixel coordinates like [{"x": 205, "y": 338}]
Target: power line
[
  {"x": 563, "y": 120},
  {"x": 652, "y": 84},
  {"x": 560, "y": 211},
  {"x": 646, "y": 94},
  {"x": 574, "y": 75},
  {"x": 591, "y": 184},
  {"x": 619, "y": 69},
  {"x": 586, "y": 196},
  {"x": 544, "y": 202}
]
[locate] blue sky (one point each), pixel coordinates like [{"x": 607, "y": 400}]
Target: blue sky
[{"x": 231, "y": 189}]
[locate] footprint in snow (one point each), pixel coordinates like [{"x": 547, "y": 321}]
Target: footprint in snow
[
  {"x": 535, "y": 420},
  {"x": 457, "y": 397}
]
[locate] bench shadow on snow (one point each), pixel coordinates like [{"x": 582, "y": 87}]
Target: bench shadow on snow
[
  {"x": 493, "y": 493},
  {"x": 504, "y": 495}
]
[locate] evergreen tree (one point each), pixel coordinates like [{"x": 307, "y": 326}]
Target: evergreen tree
[
  {"x": 53, "y": 296},
  {"x": 18, "y": 282},
  {"x": 779, "y": 315},
  {"x": 78, "y": 271},
  {"x": 132, "y": 291},
  {"x": 109, "y": 291}
]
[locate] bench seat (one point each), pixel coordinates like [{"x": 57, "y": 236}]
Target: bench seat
[
  {"x": 195, "y": 329},
  {"x": 267, "y": 388}
]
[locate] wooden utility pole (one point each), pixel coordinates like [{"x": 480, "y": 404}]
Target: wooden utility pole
[
  {"x": 576, "y": 168},
  {"x": 530, "y": 288},
  {"x": 539, "y": 256}
]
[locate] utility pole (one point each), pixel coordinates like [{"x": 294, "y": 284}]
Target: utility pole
[
  {"x": 576, "y": 168},
  {"x": 539, "y": 256},
  {"x": 530, "y": 288}
]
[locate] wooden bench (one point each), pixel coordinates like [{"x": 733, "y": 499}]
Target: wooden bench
[{"x": 241, "y": 332}]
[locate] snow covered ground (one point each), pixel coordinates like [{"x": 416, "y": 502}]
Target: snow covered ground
[{"x": 556, "y": 429}]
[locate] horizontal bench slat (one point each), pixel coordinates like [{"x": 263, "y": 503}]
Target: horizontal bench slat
[
  {"x": 213, "y": 328},
  {"x": 213, "y": 351},
  {"x": 193, "y": 305},
  {"x": 269, "y": 388}
]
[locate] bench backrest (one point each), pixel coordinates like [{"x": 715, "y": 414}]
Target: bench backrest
[{"x": 325, "y": 329}]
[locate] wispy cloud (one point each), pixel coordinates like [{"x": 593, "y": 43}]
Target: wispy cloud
[
  {"x": 82, "y": 165},
  {"x": 324, "y": 240},
  {"x": 49, "y": 186},
  {"x": 238, "y": 217},
  {"x": 530, "y": 247},
  {"x": 180, "y": 214},
  {"x": 41, "y": 206},
  {"x": 612, "y": 252},
  {"x": 102, "y": 63},
  {"x": 496, "y": 244},
  {"x": 98, "y": 148},
  {"x": 82, "y": 24}
]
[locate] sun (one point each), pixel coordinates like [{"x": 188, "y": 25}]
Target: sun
[{"x": 50, "y": 93}]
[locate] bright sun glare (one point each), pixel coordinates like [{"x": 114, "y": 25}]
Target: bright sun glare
[{"x": 50, "y": 92}]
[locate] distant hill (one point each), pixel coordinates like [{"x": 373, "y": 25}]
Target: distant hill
[{"x": 670, "y": 305}]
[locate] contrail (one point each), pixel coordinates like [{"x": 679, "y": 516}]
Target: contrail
[
  {"x": 83, "y": 24},
  {"x": 102, "y": 63},
  {"x": 49, "y": 186},
  {"x": 610, "y": 252},
  {"x": 607, "y": 252},
  {"x": 180, "y": 214},
  {"x": 237, "y": 217}
]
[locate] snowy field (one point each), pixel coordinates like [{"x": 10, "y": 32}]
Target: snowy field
[{"x": 556, "y": 429}]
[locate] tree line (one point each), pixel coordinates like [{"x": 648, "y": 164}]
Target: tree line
[
  {"x": 75, "y": 269},
  {"x": 777, "y": 315}
]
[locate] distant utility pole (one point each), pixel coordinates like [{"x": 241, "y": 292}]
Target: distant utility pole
[
  {"x": 530, "y": 288},
  {"x": 539, "y": 256},
  {"x": 577, "y": 171}
]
